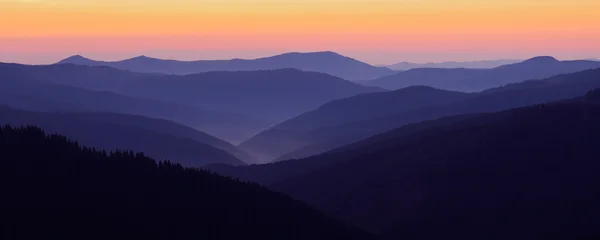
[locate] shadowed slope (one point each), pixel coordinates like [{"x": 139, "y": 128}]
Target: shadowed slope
[
  {"x": 526, "y": 173},
  {"x": 81, "y": 193},
  {"x": 159, "y": 139}
]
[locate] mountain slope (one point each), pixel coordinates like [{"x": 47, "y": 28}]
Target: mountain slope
[
  {"x": 33, "y": 88},
  {"x": 81, "y": 193},
  {"x": 324, "y": 62},
  {"x": 166, "y": 127},
  {"x": 526, "y": 173},
  {"x": 275, "y": 95},
  {"x": 473, "y": 80},
  {"x": 302, "y": 143},
  {"x": 272, "y": 96},
  {"x": 159, "y": 139},
  {"x": 278, "y": 140}
]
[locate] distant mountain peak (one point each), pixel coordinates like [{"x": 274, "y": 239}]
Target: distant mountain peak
[
  {"x": 75, "y": 59},
  {"x": 321, "y": 54},
  {"x": 140, "y": 58},
  {"x": 327, "y": 53},
  {"x": 541, "y": 59}
]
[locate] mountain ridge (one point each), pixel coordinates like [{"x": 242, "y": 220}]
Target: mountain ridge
[
  {"x": 326, "y": 62},
  {"x": 475, "y": 80},
  {"x": 485, "y": 64}
]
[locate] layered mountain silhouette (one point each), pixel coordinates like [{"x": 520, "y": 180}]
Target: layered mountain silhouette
[
  {"x": 160, "y": 139},
  {"x": 403, "y": 66},
  {"x": 289, "y": 135},
  {"x": 270, "y": 95},
  {"x": 525, "y": 173},
  {"x": 325, "y": 62},
  {"x": 473, "y": 80},
  {"x": 84, "y": 193},
  {"x": 312, "y": 133},
  {"x": 40, "y": 88}
]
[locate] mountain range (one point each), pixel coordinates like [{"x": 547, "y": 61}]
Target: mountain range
[
  {"x": 474, "y": 80},
  {"x": 525, "y": 173},
  {"x": 325, "y": 62},
  {"x": 27, "y": 88},
  {"x": 316, "y": 132},
  {"x": 329, "y": 148},
  {"x": 403, "y": 66},
  {"x": 289, "y": 135},
  {"x": 270, "y": 96}
]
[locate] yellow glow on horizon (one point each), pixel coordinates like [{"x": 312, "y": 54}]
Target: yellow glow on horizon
[
  {"x": 181, "y": 17},
  {"x": 310, "y": 24}
]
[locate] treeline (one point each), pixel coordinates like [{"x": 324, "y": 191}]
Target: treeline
[{"x": 52, "y": 188}]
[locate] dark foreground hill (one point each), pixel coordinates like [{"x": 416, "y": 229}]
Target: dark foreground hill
[
  {"x": 526, "y": 173},
  {"x": 54, "y": 189},
  {"x": 325, "y": 62},
  {"x": 159, "y": 139}
]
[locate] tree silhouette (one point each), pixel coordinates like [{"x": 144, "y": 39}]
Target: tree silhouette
[{"x": 54, "y": 188}]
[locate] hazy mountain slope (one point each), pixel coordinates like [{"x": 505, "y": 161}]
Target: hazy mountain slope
[
  {"x": 101, "y": 78},
  {"x": 403, "y": 66},
  {"x": 324, "y": 62},
  {"x": 288, "y": 136},
  {"x": 270, "y": 173},
  {"x": 526, "y": 173},
  {"x": 306, "y": 143},
  {"x": 110, "y": 131},
  {"x": 166, "y": 127},
  {"x": 81, "y": 193},
  {"x": 20, "y": 89},
  {"x": 372, "y": 105},
  {"x": 332, "y": 140},
  {"x": 473, "y": 80},
  {"x": 273, "y": 95}
]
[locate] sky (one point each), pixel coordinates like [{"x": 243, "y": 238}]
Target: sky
[{"x": 375, "y": 31}]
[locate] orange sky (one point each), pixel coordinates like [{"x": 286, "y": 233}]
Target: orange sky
[{"x": 378, "y": 31}]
